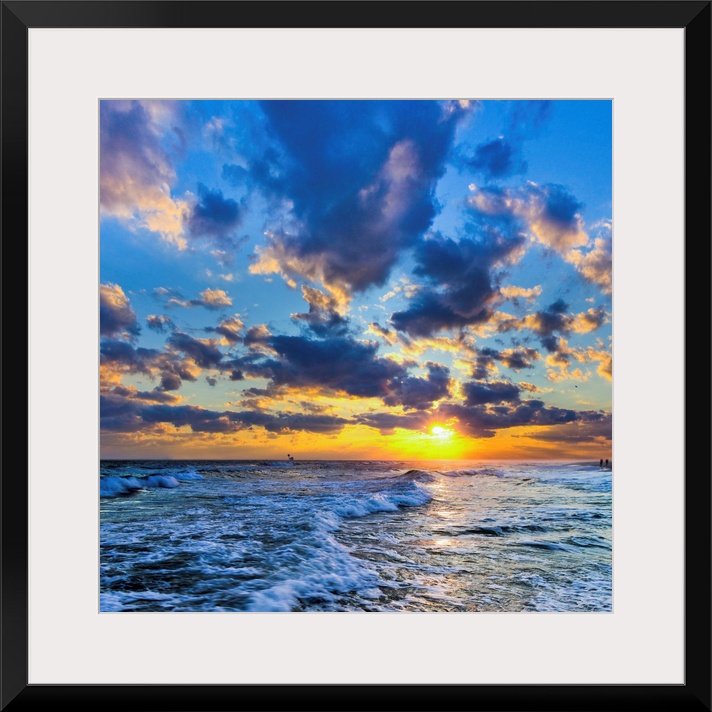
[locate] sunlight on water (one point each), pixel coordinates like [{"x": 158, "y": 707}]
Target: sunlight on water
[{"x": 350, "y": 536}]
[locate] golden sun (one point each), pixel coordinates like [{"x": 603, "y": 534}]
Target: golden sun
[{"x": 437, "y": 431}]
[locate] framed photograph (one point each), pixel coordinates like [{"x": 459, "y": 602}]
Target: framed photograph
[{"x": 333, "y": 334}]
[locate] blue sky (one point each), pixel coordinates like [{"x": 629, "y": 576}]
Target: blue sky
[{"x": 356, "y": 279}]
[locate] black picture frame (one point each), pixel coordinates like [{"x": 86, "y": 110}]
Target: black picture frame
[{"x": 694, "y": 17}]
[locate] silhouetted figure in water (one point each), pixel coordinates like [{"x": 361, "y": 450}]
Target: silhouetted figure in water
[
  {"x": 601, "y": 463},
  {"x": 606, "y": 463}
]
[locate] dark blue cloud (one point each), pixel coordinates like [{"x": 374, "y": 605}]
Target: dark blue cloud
[
  {"x": 116, "y": 316},
  {"x": 560, "y": 207},
  {"x": 169, "y": 367},
  {"x": 360, "y": 176},
  {"x": 386, "y": 423},
  {"x": 160, "y": 323},
  {"x": 593, "y": 426},
  {"x": 503, "y": 156},
  {"x": 214, "y": 216},
  {"x": 430, "y": 313},
  {"x": 498, "y": 159},
  {"x": 338, "y": 364},
  {"x": 553, "y": 320},
  {"x": 461, "y": 284},
  {"x": 135, "y": 360},
  {"x": 204, "y": 355},
  {"x": 483, "y": 421},
  {"x": 323, "y": 319},
  {"x": 516, "y": 359},
  {"x": 155, "y": 395},
  {"x": 230, "y": 329},
  {"x": 199, "y": 419},
  {"x": 310, "y": 422},
  {"x": 479, "y": 393},
  {"x": 550, "y": 343},
  {"x": 127, "y": 414},
  {"x": 420, "y": 393}
]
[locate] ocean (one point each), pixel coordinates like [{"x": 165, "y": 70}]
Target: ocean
[{"x": 355, "y": 536}]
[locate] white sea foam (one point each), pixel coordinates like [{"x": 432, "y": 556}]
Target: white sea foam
[
  {"x": 354, "y": 536},
  {"x": 386, "y": 502},
  {"x": 187, "y": 476},
  {"x": 114, "y": 486}
]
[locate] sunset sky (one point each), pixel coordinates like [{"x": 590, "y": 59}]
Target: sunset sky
[{"x": 356, "y": 279}]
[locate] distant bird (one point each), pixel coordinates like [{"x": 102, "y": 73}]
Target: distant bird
[{"x": 575, "y": 386}]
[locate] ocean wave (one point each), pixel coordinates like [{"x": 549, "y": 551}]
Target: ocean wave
[
  {"x": 187, "y": 476},
  {"x": 486, "y": 471},
  {"x": 589, "y": 542},
  {"x": 497, "y": 530},
  {"x": 547, "y": 545},
  {"x": 417, "y": 476},
  {"x": 415, "y": 496},
  {"x": 117, "y": 486},
  {"x": 314, "y": 573}
]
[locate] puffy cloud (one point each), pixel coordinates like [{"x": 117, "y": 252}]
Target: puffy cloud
[
  {"x": 593, "y": 426},
  {"x": 386, "y": 334},
  {"x": 160, "y": 323},
  {"x": 156, "y": 396},
  {"x": 338, "y": 364},
  {"x": 230, "y": 329},
  {"x": 519, "y": 358},
  {"x": 128, "y": 415},
  {"x": 550, "y": 212},
  {"x": 604, "y": 360},
  {"x": 360, "y": 178},
  {"x": 309, "y": 422},
  {"x": 386, "y": 423},
  {"x": 419, "y": 393},
  {"x": 531, "y": 388},
  {"x": 480, "y": 392},
  {"x": 323, "y": 317},
  {"x": 134, "y": 360},
  {"x": 213, "y": 299},
  {"x": 209, "y": 298},
  {"x": 203, "y": 351},
  {"x": 115, "y": 313},
  {"x": 516, "y": 359},
  {"x": 502, "y": 157},
  {"x": 555, "y": 319},
  {"x": 561, "y": 358},
  {"x": 517, "y": 293},
  {"x": 119, "y": 357},
  {"x": 596, "y": 265},
  {"x": 589, "y": 320},
  {"x": 136, "y": 168},
  {"x": 462, "y": 288},
  {"x": 483, "y": 420},
  {"x": 498, "y": 159},
  {"x": 214, "y": 217}
]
